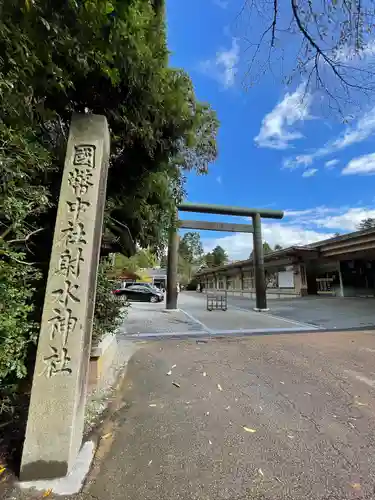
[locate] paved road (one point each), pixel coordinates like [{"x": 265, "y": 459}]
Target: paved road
[
  {"x": 193, "y": 318},
  {"x": 324, "y": 312},
  {"x": 307, "y": 402}
]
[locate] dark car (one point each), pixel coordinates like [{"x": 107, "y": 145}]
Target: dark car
[{"x": 139, "y": 293}]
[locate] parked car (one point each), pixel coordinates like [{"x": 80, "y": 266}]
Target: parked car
[
  {"x": 147, "y": 285},
  {"x": 139, "y": 293}
]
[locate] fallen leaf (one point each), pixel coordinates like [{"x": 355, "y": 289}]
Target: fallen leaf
[
  {"x": 2, "y": 470},
  {"x": 209, "y": 441},
  {"x": 204, "y": 374},
  {"x": 169, "y": 373},
  {"x": 261, "y": 472},
  {"x": 176, "y": 384},
  {"x": 351, "y": 425},
  {"x": 152, "y": 405},
  {"x": 282, "y": 382},
  {"x": 361, "y": 404},
  {"x": 219, "y": 387},
  {"x": 207, "y": 413},
  {"x": 150, "y": 462},
  {"x": 249, "y": 429},
  {"x": 227, "y": 408},
  {"x": 174, "y": 366},
  {"x": 308, "y": 393},
  {"x": 355, "y": 486},
  {"x": 106, "y": 436},
  {"x": 47, "y": 493},
  {"x": 290, "y": 436}
]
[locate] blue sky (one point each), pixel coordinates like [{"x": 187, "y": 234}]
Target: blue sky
[{"x": 278, "y": 148}]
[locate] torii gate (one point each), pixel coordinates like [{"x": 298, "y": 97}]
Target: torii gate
[{"x": 255, "y": 228}]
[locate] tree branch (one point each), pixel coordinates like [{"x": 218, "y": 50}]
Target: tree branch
[
  {"x": 24, "y": 240},
  {"x": 6, "y": 254},
  {"x": 275, "y": 12},
  {"x": 319, "y": 51}
]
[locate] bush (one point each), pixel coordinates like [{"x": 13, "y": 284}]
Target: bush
[
  {"x": 110, "y": 312},
  {"x": 17, "y": 332}
]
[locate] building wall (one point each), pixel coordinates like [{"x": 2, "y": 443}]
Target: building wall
[{"x": 241, "y": 281}]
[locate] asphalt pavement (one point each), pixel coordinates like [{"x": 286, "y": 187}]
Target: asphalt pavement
[
  {"x": 271, "y": 417},
  {"x": 323, "y": 312},
  {"x": 192, "y": 318}
]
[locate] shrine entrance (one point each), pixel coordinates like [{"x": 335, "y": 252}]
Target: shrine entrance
[{"x": 255, "y": 228}]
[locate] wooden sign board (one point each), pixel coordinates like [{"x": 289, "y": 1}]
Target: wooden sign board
[{"x": 216, "y": 226}]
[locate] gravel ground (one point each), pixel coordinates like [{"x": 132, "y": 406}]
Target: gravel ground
[{"x": 268, "y": 417}]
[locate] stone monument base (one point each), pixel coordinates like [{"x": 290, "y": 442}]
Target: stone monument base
[
  {"x": 72, "y": 482},
  {"x": 101, "y": 360}
]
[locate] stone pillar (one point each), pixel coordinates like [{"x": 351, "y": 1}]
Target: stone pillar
[
  {"x": 172, "y": 269},
  {"x": 260, "y": 281},
  {"x": 56, "y": 415}
]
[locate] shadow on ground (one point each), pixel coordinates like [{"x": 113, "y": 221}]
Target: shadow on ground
[{"x": 269, "y": 417}]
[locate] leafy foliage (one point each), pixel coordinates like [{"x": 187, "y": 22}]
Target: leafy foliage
[
  {"x": 110, "y": 312},
  {"x": 143, "y": 259},
  {"x": 218, "y": 257},
  {"x": 190, "y": 247},
  {"x": 17, "y": 332},
  {"x": 266, "y": 249},
  {"x": 367, "y": 223},
  {"x": 190, "y": 255},
  {"x": 98, "y": 56}
]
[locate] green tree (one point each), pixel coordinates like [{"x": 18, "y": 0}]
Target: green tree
[
  {"x": 209, "y": 260},
  {"x": 366, "y": 223},
  {"x": 106, "y": 57},
  {"x": 143, "y": 259},
  {"x": 109, "y": 311},
  {"x": 163, "y": 261},
  {"x": 218, "y": 257},
  {"x": 278, "y": 247},
  {"x": 266, "y": 249},
  {"x": 190, "y": 247}
]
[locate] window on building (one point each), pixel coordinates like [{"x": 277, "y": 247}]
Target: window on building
[{"x": 248, "y": 283}]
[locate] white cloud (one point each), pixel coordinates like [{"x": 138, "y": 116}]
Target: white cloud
[
  {"x": 310, "y": 172},
  {"x": 224, "y": 67},
  {"x": 331, "y": 163},
  {"x": 240, "y": 245},
  {"x": 292, "y": 163},
  {"x": 219, "y": 180},
  {"x": 346, "y": 221},
  {"x": 276, "y": 131},
  {"x": 223, "y": 4},
  {"x": 360, "y": 166},
  {"x": 362, "y": 129},
  {"x": 310, "y": 212},
  {"x": 346, "y": 53},
  {"x": 299, "y": 227}
]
